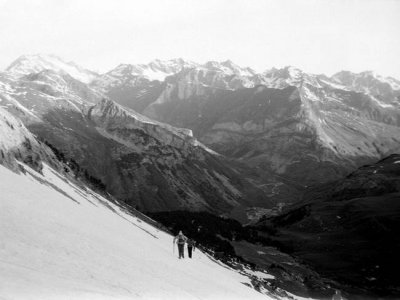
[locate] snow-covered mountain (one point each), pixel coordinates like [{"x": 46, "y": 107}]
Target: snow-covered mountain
[
  {"x": 127, "y": 74},
  {"x": 125, "y": 146},
  {"x": 301, "y": 126},
  {"x": 129, "y": 84},
  {"x": 154, "y": 135},
  {"x": 155, "y": 70},
  {"x": 384, "y": 90},
  {"x": 229, "y": 68},
  {"x": 144, "y": 81},
  {"x": 33, "y": 96},
  {"x": 28, "y": 64}
]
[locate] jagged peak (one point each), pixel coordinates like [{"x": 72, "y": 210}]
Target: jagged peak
[
  {"x": 108, "y": 110},
  {"x": 285, "y": 72},
  {"x": 293, "y": 69},
  {"x": 122, "y": 69},
  {"x": 107, "y": 107},
  {"x": 229, "y": 64},
  {"x": 348, "y": 78},
  {"x": 365, "y": 73}
]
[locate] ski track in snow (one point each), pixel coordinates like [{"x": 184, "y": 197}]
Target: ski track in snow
[{"x": 53, "y": 248}]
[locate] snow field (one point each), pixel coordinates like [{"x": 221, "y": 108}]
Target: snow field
[{"x": 59, "y": 241}]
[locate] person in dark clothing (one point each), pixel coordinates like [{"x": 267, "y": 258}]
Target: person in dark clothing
[
  {"x": 180, "y": 240},
  {"x": 337, "y": 295},
  {"x": 190, "y": 247}
]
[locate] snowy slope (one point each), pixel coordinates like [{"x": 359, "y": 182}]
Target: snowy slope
[
  {"x": 12, "y": 132},
  {"x": 17, "y": 143},
  {"x": 61, "y": 241}
]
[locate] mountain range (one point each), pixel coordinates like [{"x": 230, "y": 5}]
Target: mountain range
[
  {"x": 148, "y": 164},
  {"x": 296, "y": 157},
  {"x": 212, "y": 136},
  {"x": 297, "y": 127}
]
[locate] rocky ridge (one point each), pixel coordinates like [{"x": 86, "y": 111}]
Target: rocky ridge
[
  {"x": 146, "y": 163},
  {"x": 284, "y": 121}
]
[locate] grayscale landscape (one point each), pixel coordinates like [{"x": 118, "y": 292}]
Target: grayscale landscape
[{"x": 268, "y": 132}]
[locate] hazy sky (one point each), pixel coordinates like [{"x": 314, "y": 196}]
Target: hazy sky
[{"x": 321, "y": 36}]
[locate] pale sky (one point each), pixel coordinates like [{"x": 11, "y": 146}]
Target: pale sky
[{"x": 318, "y": 36}]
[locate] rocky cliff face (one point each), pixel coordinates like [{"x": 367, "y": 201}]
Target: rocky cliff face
[
  {"x": 147, "y": 164},
  {"x": 175, "y": 168}
]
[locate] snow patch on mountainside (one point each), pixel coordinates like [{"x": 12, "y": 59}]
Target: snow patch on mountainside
[
  {"x": 12, "y": 132},
  {"x": 62, "y": 241},
  {"x": 155, "y": 70},
  {"x": 380, "y": 103},
  {"x": 15, "y": 103}
]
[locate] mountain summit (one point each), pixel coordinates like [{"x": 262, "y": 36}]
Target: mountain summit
[{"x": 28, "y": 64}]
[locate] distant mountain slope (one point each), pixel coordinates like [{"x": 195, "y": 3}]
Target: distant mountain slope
[
  {"x": 370, "y": 83},
  {"x": 33, "y": 95},
  {"x": 146, "y": 163},
  {"x": 303, "y": 127},
  {"x": 155, "y": 70},
  {"x": 349, "y": 229},
  {"x": 282, "y": 129},
  {"x": 62, "y": 240},
  {"x": 28, "y": 64}
]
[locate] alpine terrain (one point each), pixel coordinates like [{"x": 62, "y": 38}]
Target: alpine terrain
[
  {"x": 60, "y": 239},
  {"x": 148, "y": 164},
  {"x": 288, "y": 181},
  {"x": 299, "y": 128}
]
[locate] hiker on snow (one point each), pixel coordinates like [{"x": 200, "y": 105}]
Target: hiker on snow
[
  {"x": 337, "y": 295},
  {"x": 180, "y": 240},
  {"x": 190, "y": 246}
]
